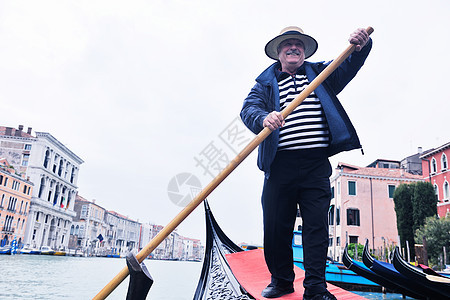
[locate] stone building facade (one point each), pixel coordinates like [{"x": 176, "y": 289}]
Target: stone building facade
[{"x": 53, "y": 169}]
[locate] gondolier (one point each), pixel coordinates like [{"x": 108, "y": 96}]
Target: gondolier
[{"x": 294, "y": 157}]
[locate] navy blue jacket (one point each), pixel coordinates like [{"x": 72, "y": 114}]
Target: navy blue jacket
[{"x": 264, "y": 98}]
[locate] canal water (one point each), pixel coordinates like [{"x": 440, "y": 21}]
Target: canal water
[{"x": 66, "y": 277}]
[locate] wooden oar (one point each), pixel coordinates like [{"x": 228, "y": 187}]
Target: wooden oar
[{"x": 225, "y": 172}]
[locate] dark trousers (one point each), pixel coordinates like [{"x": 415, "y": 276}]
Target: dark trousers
[{"x": 297, "y": 177}]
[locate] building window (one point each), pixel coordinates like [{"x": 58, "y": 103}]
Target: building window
[
  {"x": 331, "y": 215},
  {"x": 27, "y": 147},
  {"x": 444, "y": 161},
  {"x": 433, "y": 165},
  {"x": 352, "y": 188},
  {"x": 391, "y": 189},
  {"x": 332, "y": 192},
  {"x": 338, "y": 241},
  {"x": 84, "y": 211},
  {"x": 353, "y": 239},
  {"x": 338, "y": 215},
  {"x": 25, "y": 159},
  {"x": 46, "y": 158},
  {"x": 353, "y": 217},
  {"x": 436, "y": 191},
  {"x": 61, "y": 163},
  {"x": 446, "y": 190}
]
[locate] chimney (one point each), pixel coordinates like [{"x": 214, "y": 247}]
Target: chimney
[
  {"x": 29, "y": 130},
  {"x": 19, "y": 132},
  {"x": 8, "y": 131},
  {"x": 419, "y": 150}
]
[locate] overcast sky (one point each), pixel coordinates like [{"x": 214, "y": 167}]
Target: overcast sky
[{"x": 138, "y": 89}]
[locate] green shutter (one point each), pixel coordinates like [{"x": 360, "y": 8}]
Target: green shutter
[{"x": 352, "y": 188}]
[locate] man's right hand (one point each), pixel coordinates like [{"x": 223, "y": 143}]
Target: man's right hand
[{"x": 274, "y": 120}]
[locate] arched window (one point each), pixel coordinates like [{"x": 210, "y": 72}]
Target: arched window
[
  {"x": 47, "y": 158},
  {"x": 72, "y": 229},
  {"x": 444, "y": 163},
  {"x": 76, "y": 230},
  {"x": 433, "y": 165},
  {"x": 61, "y": 164},
  {"x": 446, "y": 190},
  {"x": 436, "y": 191},
  {"x": 72, "y": 176}
]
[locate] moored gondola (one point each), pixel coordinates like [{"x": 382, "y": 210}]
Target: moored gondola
[
  {"x": 438, "y": 286},
  {"x": 360, "y": 269},
  {"x": 388, "y": 272}
]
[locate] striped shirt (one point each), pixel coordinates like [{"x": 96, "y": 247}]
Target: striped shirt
[{"x": 306, "y": 127}]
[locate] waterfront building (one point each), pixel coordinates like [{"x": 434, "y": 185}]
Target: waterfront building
[
  {"x": 89, "y": 229},
  {"x": 159, "y": 251},
  {"x": 436, "y": 171},
  {"x": 15, "y": 199},
  {"x": 53, "y": 169},
  {"x": 122, "y": 233},
  {"x": 147, "y": 233},
  {"x": 362, "y": 205},
  {"x": 192, "y": 249}
]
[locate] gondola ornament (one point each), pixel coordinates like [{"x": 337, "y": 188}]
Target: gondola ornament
[{"x": 164, "y": 233}]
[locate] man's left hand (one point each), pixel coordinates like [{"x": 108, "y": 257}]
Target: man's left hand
[{"x": 359, "y": 37}]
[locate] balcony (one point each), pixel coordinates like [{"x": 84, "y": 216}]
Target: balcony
[{"x": 8, "y": 230}]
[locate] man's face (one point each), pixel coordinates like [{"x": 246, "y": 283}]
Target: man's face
[{"x": 291, "y": 54}]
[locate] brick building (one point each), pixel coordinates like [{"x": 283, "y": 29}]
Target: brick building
[
  {"x": 15, "y": 199},
  {"x": 436, "y": 171}
]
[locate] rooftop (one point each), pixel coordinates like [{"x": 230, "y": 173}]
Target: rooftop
[{"x": 376, "y": 172}]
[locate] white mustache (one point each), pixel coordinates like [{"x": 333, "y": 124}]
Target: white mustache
[{"x": 289, "y": 52}]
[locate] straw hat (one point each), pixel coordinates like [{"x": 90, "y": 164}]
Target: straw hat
[{"x": 291, "y": 32}]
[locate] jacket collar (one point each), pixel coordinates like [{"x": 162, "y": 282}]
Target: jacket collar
[{"x": 269, "y": 75}]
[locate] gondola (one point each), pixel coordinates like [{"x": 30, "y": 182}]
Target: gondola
[
  {"x": 438, "y": 286},
  {"x": 388, "y": 272},
  {"x": 217, "y": 280},
  {"x": 360, "y": 269},
  {"x": 430, "y": 271},
  {"x": 227, "y": 268}
]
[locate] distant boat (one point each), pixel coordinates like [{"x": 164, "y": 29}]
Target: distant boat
[
  {"x": 5, "y": 250},
  {"x": 46, "y": 250},
  {"x": 28, "y": 250},
  {"x": 60, "y": 252}
]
